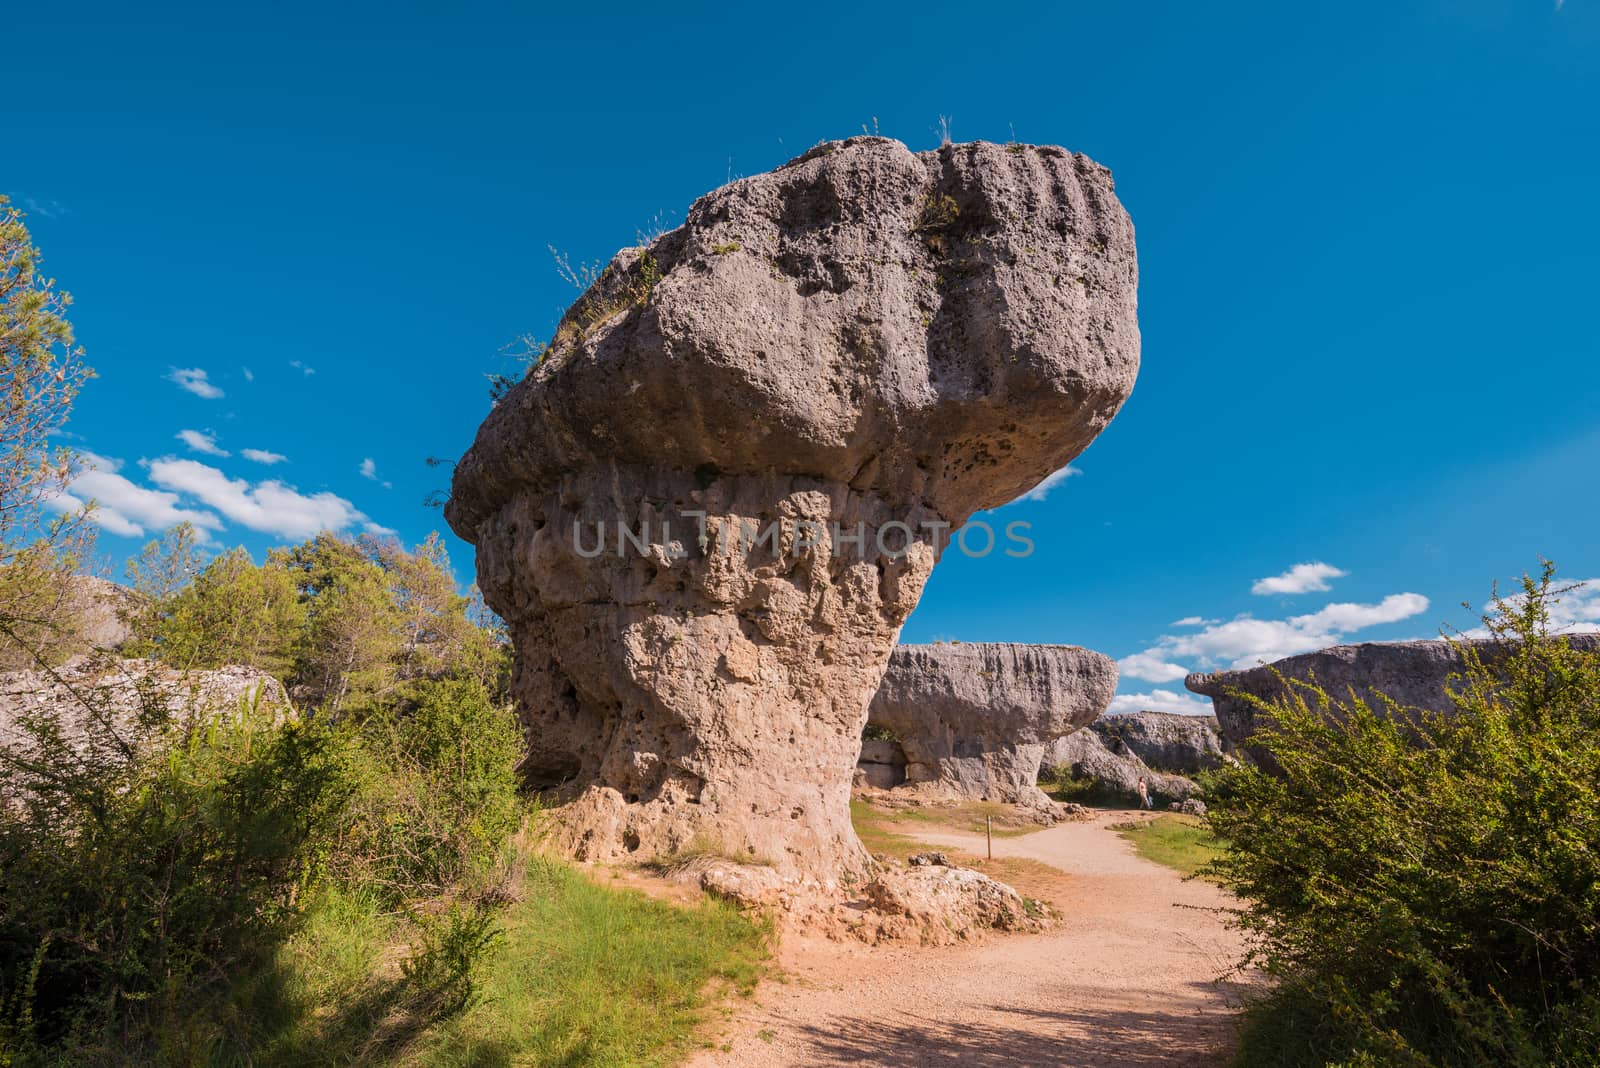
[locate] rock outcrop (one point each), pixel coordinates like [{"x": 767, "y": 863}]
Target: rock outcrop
[
  {"x": 851, "y": 354},
  {"x": 974, "y": 719},
  {"x": 1109, "y": 769},
  {"x": 1415, "y": 675},
  {"x": 1166, "y": 741},
  {"x": 130, "y": 696}
]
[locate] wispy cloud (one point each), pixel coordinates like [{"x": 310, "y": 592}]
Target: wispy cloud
[
  {"x": 369, "y": 469},
  {"x": 270, "y": 506},
  {"x": 195, "y": 380},
  {"x": 302, "y": 368},
  {"x": 200, "y": 442},
  {"x": 249, "y": 375},
  {"x": 125, "y": 508},
  {"x": 262, "y": 456},
  {"x": 1301, "y": 578},
  {"x": 48, "y": 209},
  {"x": 1050, "y": 482},
  {"x": 1192, "y": 621}
]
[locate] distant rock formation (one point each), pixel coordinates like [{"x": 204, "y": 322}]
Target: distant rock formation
[
  {"x": 974, "y": 719},
  {"x": 881, "y": 765},
  {"x": 1166, "y": 741},
  {"x": 71, "y": 616},
  {"x": 1113, "y": 753},
  {"x": 125, "y": 691},
  {"x": 100, "y": 609},
  {"x": 1416, "y": 675},
  {"x": 855, "y": 353}
]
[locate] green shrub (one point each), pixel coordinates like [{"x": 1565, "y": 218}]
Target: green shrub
[
  {"x": 151, "y": 873},
  {"x": 126, "y": 881},
  {"x": 1426, "y": 888},
  {"x": 446, "y": 964},
  {"x": 438, "y": 801}
]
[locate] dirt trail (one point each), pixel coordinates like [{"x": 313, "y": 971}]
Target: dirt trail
[{"x": 1126, "y": 979}]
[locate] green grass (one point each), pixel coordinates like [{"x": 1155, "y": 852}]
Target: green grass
[
  {"x": 1182, "y": 843},
  {"x": 592, "y": 975},
  {"x": 969, "y": 817},
  {"x": 876, "y": 833},
  {"x": 587, "y": 975}
]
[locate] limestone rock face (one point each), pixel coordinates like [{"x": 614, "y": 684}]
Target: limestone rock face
[
  {"x": 975, "y": 719},
  {"x": 1413, "y": 674},
  {"x": 854, "y": 352}
]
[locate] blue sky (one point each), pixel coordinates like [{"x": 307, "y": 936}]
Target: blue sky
[{"x": 1368, "y": 236}]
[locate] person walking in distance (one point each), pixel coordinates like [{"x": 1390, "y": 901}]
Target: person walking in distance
[{"x": 1144, "y": 795}]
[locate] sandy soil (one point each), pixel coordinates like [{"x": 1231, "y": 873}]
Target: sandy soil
[{"x": 1128, "y": 978}]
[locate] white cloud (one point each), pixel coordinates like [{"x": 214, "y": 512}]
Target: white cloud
[
  {"x": 124, "y": 508},
  {"x": 262, "y": 456},
  {"x": 1301, "y": 578},
  {"x": 1192, "y": 621},
  {"x": 378, "y": 531},
  {"x": 1050, "y": 482},
  {"x": 1151, "y": 668},
  {"x": 1577, "y": 612},
  {"x": 200, "y": 442},
  {"x": 249, "y": 375},
  {"x": 1247, "y": 641},
  {"x": 271, "y": 506},
  {"x": 302, "y": 368},
  {"x": 369, "y": 469},
  {"x": 1340, "y": 618},
  {"x": 195, "y": 381},
  {"x": 1161, "y": 701}
]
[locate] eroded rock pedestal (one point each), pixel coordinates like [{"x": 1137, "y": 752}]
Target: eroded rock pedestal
[
  {"x": 864, "y": 342},
  {"x": 974, "y": 719}
]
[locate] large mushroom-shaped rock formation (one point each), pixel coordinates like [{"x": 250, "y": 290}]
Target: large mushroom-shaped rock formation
[
  {"x": 851, "y": 353},
  {"x": 1415, "y": 675},
  {"x": 974, "y": 719}
]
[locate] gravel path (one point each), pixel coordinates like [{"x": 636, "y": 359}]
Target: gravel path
[{"x": 1127, "y": 979}]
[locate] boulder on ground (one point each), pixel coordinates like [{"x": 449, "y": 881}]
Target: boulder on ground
[
  {"x": 940, "y": 904},
  {"x": 974, "y": 719},
  {"x": 707, "y": 511}
]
